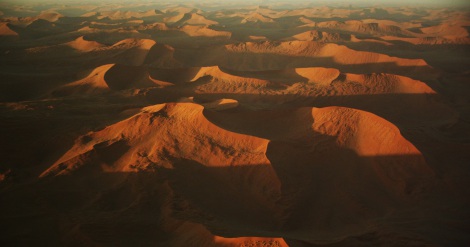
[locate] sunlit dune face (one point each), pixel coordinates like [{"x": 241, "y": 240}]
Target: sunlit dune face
[
  {"x": 234, "y": 123},
  {"x": 363, "y": 132}
]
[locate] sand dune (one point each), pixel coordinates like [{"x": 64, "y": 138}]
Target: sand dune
[
  {"x": 361, "y": 27},
  {"x": 191, "y": 19},
  {"x": 116, "y": 15},
  {"x": 271, "y": 55},
  {"x": 184, "y": 118},
  {"x": 93, "y": 83},
  {"x": 181, "y": 10},
  {"x": 218, "y": 80},
  {"x": 6, "y": 31},
  {"x": 182, "y": 131},
  {"x": 83, "y": 45},
  {"x": 430, "y": 40},
  {"x": 210, "y": 79},
  {"x": 389, "y": 23},
  {"x": 51, "y": 16},
  {"x": 111, "y": 77},
  {"x": 306, "y": 20},
  {"x": 198, "y": 31},
  {"x": 134, "y": 51},
  {"x": 320, "y": 76},
  {"x": 344, "y": 55},
  {"x": 162, "y": 56},
  {"x": 222, "y": 104},
  {"x": 41, "y": 25},
  {"x": 321, "y": 36},
  {"x": 321, "y": 12},
  {"x": 256, "y": 17}
]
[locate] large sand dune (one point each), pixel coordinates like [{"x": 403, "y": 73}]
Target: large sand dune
[{"x": 233, "y": 124}]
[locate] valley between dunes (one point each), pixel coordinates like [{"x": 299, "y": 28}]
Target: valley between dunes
[{"x": 160, "y": 124}]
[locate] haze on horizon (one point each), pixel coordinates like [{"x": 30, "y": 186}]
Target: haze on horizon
[{"x": 430, "y": 3}]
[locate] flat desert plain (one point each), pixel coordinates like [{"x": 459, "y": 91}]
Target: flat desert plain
[{"x": 234, "y": 124}]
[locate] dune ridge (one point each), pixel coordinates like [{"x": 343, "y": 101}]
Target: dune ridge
[
  {"x": 83, "y": 45},
  {"x": 111, "y": 77},
  {"x": 6, "y": 31}
]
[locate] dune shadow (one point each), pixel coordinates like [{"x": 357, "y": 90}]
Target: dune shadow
[
  {"x": 230, "y": 201},
  {"x": 397, "y": 108}
]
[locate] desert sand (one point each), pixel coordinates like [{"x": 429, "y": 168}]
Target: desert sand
[{"x": 229, "y": 124}]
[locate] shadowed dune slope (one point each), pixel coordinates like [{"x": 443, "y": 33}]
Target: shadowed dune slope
[
  {"x": 83, "y": 45},
  {"x": 326, "y": 148},
  {"x": 268, "y": 55},
  {"x": 6, "y": 31},
  {"x": 111, "y": 77}
]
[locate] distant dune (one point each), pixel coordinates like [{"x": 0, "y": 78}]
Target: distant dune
[
  {"x": 83, "y": 45},
  {"x": 6, "y": 31}
]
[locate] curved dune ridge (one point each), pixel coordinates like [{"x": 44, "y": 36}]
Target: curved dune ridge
[
  {"x": 263, "y": 55},
  {"x": 294, "y": 48},
  {"x": 117, "y": 15},
  {"x": 190, "y": 30},
  {"x": 5, "y": 30},
  {"x": 135, "y": 51},
  {"x": 347, "y": 83},
  {"x": 328, "y": 86},
  {"x": 216, "y": 75},
  {"x": 448, "y": 32},
  {"x": 363, "y": 132},
  {"x": 83, "y": 45},
  {"x": 322, "y": 76},
  {"x": 162, "y": 56},
  {"x": 179, "y": 137},
  {"x": 432, "y": 40},
  {"x": 369, "y": 27},
  {"x": 389, "y": 83},
  {"x": 344, "y": 55},
  {"x": 255, "y": 18},
  {"x": 222, "y": 104},
  {"x": 93, "y": 83},
  {"x": 51, "y": 16},
  {"x": 222, "y": 77},
  {"x": 237, "y": 81},
  {"x": 159, "y": 125},
  {"x": 315, "y": 35},
  {"x": 111, "y": 77},
  {"x": 203, "y": 31},
  {"x": 190, "y": 19}
]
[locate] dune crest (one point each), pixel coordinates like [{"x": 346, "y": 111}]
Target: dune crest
[
  {"x": 191, "y": 19},
  {"x": 111, "y": 77},
  {"x": 51, "y": 16},
  {"x": 160, "y": 125},
  {"x": 5, "y": 30},
  {"x": 93, "y": 83},
  {"x": 256, "y": 17},
  {"x": 198, "y": 31},
  {"x": 83, "y": 45},
  {"x": 135, "y": 51},
  {"x": 322, "y": 76},
  {"x": 222, "y": 104}
]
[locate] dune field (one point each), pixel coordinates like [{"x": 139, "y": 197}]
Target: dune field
[{"x": 143, "y": 123}]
